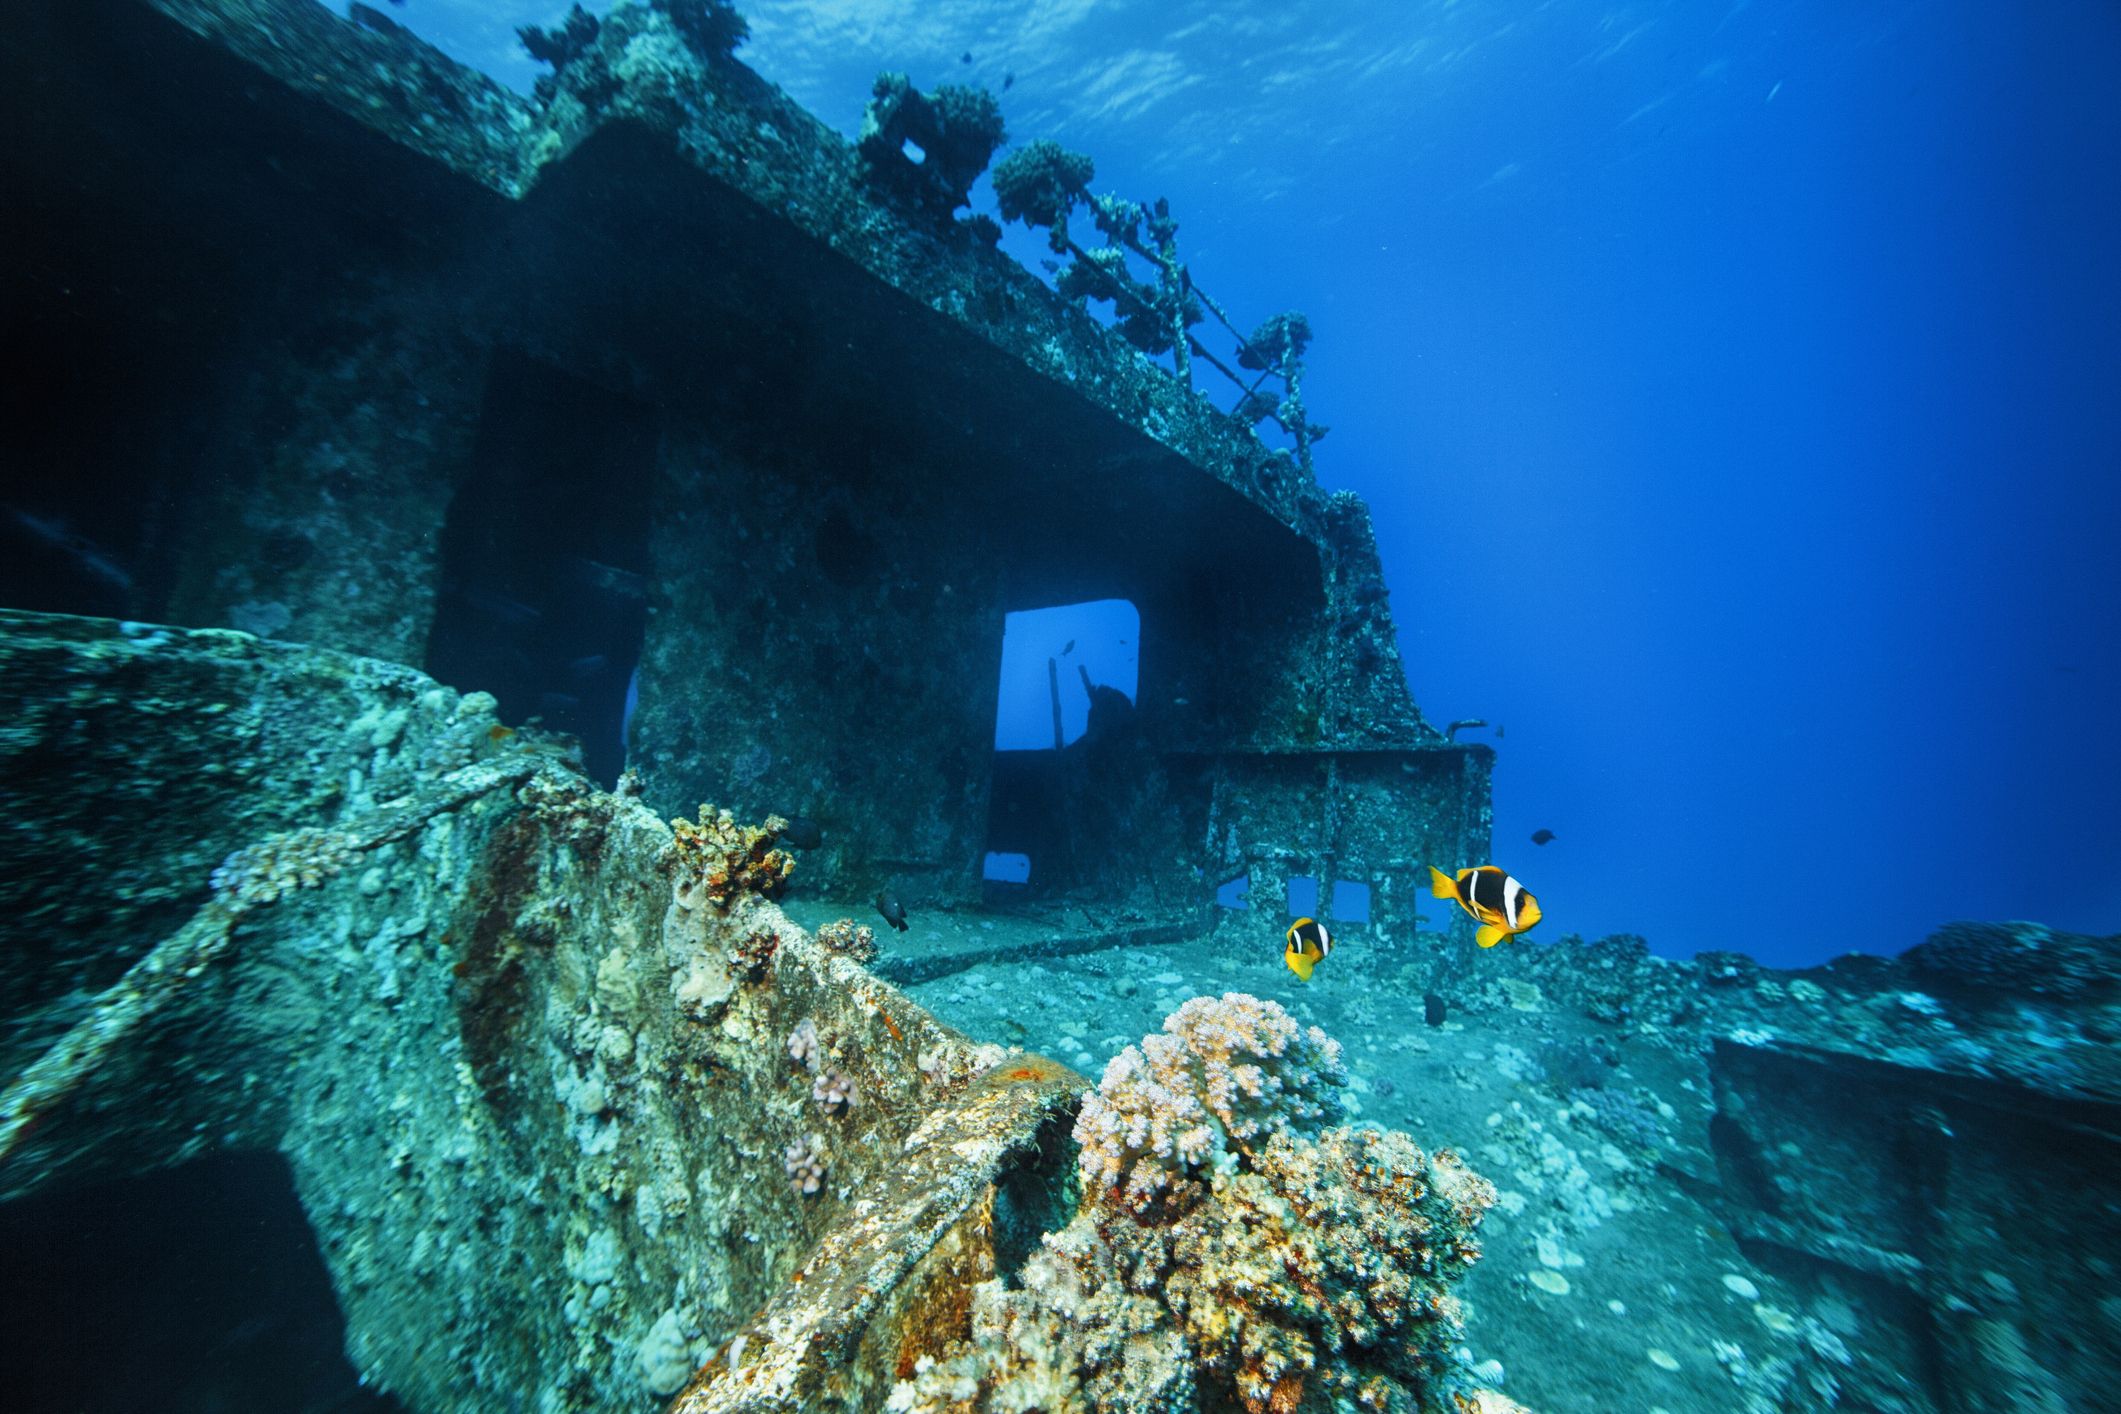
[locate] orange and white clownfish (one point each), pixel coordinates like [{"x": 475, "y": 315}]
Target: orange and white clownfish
[
  {"x": 1502, "y": 906},
  {"x": 1309, "y": 942}
]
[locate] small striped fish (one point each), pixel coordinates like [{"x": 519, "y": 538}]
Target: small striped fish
[
  {"x": 1308, "y": 944},
  {"x": 1502, "y": 906}
]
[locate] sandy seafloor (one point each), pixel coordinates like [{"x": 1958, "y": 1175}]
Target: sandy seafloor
[{"x": 1604, "y": 1285}]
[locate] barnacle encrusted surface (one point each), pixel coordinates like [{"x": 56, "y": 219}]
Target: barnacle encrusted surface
[
  {"x": 1225, "y": 1074},
  {"x": 1311, "y": 1272}
]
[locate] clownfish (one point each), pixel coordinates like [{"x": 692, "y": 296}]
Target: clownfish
[
  {"x": 1502, "y": 906},
  {"x": 1309, "y": 942}
]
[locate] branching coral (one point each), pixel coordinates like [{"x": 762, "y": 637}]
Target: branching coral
[
  {"x": 1623, "y": 1116},
  {"x": 1339, "y": 1244},
  {"x": 717, "y": 859},
  {"x": 1223, "y": 1076},
  {"x": 1310, "y": 1272},
  {"x": 1277, "y": 346}
]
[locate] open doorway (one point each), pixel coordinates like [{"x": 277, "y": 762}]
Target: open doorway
[
  {"x": 544, "y": 558},
  {"x": 1054, "y": 661},
  {"x": 1069, "y": 678}
]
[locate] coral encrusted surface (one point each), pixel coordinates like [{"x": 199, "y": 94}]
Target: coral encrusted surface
[{"x": 1228, "y": 1255}]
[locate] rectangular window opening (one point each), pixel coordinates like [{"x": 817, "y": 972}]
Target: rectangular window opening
[
  {"x": 1303, "y": 896},
  {"x": 1351, "y": 901},
  {"x": 1002, "y": 867}
]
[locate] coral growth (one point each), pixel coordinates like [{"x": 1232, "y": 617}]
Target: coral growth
[
  {"x": 717, "y": 859},
  {"x": 1312, "y": 1272},
  {"x": 833, "y": 1091},
  {"x": 712, "y": 28},
  {"x": 1630, "y": 1121},
  {"x": 1040, "y": 184},
  {"x": 563, "y": 46},
  {"x": 1279, "y": 339},
  {"x": 805, "y": 1162},
  {"x": 2018, "y": 959},
  {"x": 1223, "y": 1077},
  {"x": 753, "y": 953},
  {"x": 850, "y": 939},
  {"x": 955, "y": 131},
  {"x": 563, "y": 43},
  {"x": 278, "y": 865},
  {"x": 803, "y": 1044}
]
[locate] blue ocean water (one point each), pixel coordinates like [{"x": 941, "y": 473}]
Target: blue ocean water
[{"x": 1731, "y": 385}]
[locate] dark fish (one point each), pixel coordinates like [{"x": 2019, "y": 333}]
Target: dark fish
[
  {"x": 1307, "y": 944},
  {"x": 1069, "y": 649},
  {"x": 499, "y": 607},
  {"x": 608, "y": 579},
  {"x": 1008, "y": 82},
  {"x": 894, "y": 912},
  {"x": 804, "y": 833},
  {"x": 85, "y": 553},
  {"x": 1502, "y": 906},
  {"x": 1433, "y": 1009},
  {"x": 965, "y": 58},
  {"x": 1542, "y": 836}
]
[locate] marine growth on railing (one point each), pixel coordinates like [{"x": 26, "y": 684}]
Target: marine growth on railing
[{"x": 929, "y": 148}]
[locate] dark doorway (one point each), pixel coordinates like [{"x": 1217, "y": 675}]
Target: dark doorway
[{"x": 544, "y": 558}]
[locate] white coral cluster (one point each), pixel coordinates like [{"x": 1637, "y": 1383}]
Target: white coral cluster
[
  {"x": 805, "y": 1162},
  {"x": 1225, "y": 1075},
  {"x": 803, "y": 1044},
  {"x": 833, "y": 1091}
]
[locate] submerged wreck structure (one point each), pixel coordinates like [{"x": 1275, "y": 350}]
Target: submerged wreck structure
[
  {"x": 439, "y": 494},
  {"x": 383, "y": 379},
  {"x": 357, "y": 349}
]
